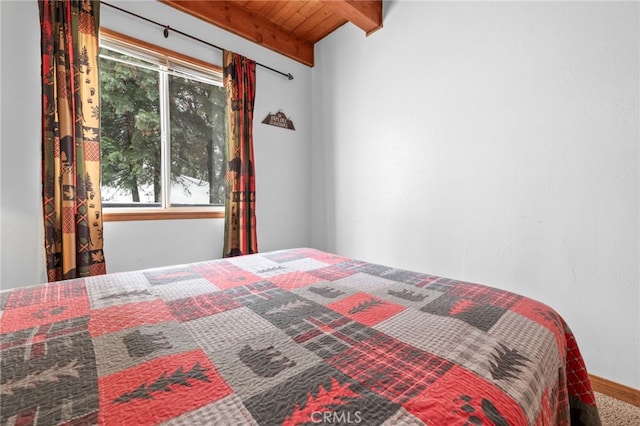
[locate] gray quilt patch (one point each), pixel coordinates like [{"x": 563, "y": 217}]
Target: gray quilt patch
[
  {"x": 62, "y": 367},
  {"x": 130, "y": 347}
]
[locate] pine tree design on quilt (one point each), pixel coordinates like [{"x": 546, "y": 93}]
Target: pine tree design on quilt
[
  {"x": 461, "y": 306},
  {"x": 125, "y": 294},
  {"x": 363, "y": 306},
  {"x": 328, "y": 398},
  {"x": 287, "y": 307},
  {"x": 164, "y": 383},
  {"x": 37, "y": 378},
  {"x": 507, "y": 363}
]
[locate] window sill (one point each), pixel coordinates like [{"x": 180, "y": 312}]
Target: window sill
[{"x": 133, "y": 214}]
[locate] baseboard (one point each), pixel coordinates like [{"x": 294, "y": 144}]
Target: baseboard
[{"x": 615, "y": 390}]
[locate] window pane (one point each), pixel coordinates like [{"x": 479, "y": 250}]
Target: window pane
[
  {"x": 197, "y": 142},
  {"x": 130, "y": 133}
]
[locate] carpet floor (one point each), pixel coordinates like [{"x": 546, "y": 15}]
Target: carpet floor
[{"x": 614, "y": 412}]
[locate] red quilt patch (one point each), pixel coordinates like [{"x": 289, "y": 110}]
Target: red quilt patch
[
  {"x": 486, "y": 295},
  {"x": 293, "y": 280},
  {"x": 44, "y": 313},
  {"x": 160, "y": 389},
  {"x": 390, "y": 367},
  {"x": 366, "y": 309},
  {"x": 459, "y": 397}
]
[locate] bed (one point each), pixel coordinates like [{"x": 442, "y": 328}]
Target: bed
[{"x": 290, "y": 337}]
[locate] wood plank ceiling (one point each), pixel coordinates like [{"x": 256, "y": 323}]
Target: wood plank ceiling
[{"x": 289, "y": 27}]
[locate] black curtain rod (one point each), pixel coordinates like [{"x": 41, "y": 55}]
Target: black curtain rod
[{"x": 167, "y": 28}]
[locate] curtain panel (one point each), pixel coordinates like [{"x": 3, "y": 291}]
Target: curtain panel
[
  {"x": 239, "y": 76},
  {"x": 72, "y": 205}
]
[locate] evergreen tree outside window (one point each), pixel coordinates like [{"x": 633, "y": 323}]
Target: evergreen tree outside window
[{"x": 162, "y": 130}]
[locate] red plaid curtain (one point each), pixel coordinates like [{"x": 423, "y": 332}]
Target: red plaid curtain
[
  {"x": 239, "y": 74},
  {"x": 70, "y": 138}
]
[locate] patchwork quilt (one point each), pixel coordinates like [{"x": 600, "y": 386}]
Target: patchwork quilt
[{"x": 292, "y": 337}]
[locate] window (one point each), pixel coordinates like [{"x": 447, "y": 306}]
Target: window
[{"x": 162, "y": 129}]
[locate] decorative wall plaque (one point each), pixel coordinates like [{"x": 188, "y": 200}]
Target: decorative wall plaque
[{"x": 279, "y": 120}]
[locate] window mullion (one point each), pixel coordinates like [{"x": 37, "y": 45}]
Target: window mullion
[{"x": 165, "y": 138}]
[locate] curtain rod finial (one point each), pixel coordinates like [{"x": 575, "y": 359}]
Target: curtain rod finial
[{"x": 290, "y": 76}]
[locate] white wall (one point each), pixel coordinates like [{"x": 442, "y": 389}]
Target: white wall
[
  {"x": 22, "y": 258},
  {"x": 282, "y": 156},
  {"x": 495, "y": 143}
]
